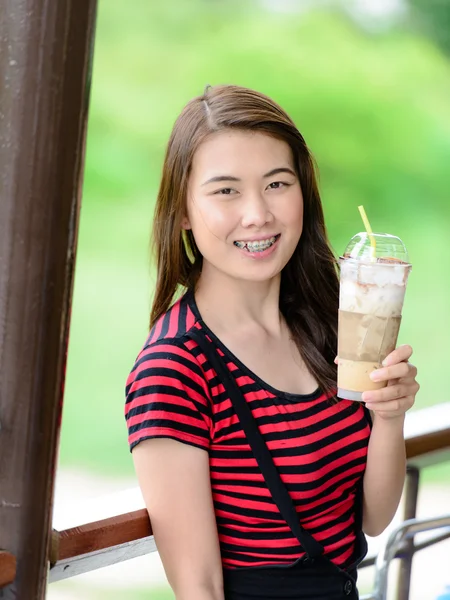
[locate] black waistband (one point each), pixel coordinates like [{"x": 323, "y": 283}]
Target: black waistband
[{"x": 317, "y": 579}]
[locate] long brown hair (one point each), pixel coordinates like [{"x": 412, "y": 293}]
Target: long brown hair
[{"x": 309, "y": 282}]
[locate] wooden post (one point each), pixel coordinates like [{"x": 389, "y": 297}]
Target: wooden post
[
  {"x": 7, "y": 568},
  {"x": 45, "y": 61}
]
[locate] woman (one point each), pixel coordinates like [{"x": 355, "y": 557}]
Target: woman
[{"x": 239, "y": 230}]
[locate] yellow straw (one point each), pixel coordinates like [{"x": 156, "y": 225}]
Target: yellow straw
[{"x": 373, "y": 242}]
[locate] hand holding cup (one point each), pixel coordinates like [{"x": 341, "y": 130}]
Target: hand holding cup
[{"x": 399, "y": 394}]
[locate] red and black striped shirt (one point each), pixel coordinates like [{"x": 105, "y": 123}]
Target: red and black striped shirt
[{"x": 319, "y": 445}]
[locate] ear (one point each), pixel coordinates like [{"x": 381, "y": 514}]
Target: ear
[{"x": 185, "y": 224}]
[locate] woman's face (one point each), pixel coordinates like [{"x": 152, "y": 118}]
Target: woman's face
[{"x": 244, "y": 204}]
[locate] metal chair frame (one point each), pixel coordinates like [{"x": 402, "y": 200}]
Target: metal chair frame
[{"x": 400, "y": 540}]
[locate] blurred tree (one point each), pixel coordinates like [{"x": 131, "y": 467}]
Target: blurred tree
[{"x": 432, "y": 17}]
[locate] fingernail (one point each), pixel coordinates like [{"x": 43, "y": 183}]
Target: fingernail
[
  {"x": 374, "y": 376},
  {"x": 385, "y": 362}
]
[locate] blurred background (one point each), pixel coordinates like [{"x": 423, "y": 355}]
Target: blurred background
[{"x": 367, "y": 83}]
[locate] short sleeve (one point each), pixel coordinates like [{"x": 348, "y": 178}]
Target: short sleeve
[{"x": 167, "y": 396}]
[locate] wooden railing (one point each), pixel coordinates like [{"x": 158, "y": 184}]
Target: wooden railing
[{"x": 98, "y": 544}]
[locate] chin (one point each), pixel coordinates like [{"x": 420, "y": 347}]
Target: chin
[{"x": 257, "y": 277}]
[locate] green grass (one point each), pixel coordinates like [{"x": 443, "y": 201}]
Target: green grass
[{"x": 374, "y": 109}]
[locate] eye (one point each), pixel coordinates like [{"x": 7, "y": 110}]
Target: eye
[
  {"x": 224, "y": 192},
  {"x": 276, "y": 185}
]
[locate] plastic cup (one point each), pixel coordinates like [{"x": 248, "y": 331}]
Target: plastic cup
[{"x": 372, "y": 290}]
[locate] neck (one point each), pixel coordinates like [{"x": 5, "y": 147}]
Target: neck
[{"x": 226, "y": 303}]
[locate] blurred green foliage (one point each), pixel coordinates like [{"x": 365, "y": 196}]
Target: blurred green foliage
[
  {"x": 374, "y": 110},
  {"x": 70, "y": 588},
  {"x": 432, "y": 17}
]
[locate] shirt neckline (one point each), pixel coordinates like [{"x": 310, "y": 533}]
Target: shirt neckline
[{"x": 227, "y": 352}]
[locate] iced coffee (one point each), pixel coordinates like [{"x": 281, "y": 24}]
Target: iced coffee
[{"x": 374, "y": 274}]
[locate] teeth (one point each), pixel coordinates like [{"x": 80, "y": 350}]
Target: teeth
[{"x": 257, "y": 245}]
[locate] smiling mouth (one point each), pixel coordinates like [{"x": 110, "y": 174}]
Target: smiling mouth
[{"x": 257, "y": 246}]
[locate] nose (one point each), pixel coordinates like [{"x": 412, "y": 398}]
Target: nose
[{"x": 256, "y": 211}]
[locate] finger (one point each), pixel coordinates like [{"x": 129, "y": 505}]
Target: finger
[
  {"x": 391, "y": 392},
  {"x": 397, "y": 406},
  {"x": 414, "y": 386},
  {"x": 398, "y": 371},
  {"x": 402, "y": 353},
  {"x": 336, "y": 360}
]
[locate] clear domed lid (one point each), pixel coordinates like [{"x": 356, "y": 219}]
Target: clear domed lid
[{"x": 379, "y": 247}]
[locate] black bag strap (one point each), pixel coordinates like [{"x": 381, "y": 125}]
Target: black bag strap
[{"x": 259, "y": 448}]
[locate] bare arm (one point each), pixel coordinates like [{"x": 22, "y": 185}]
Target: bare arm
[
  {"x": 175, "y": 482},
  {"x": 386, "y": 458},
  {"x": 385, "y": 474}
]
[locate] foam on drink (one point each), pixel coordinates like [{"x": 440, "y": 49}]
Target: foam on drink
[{"x": 379, "y": 291}]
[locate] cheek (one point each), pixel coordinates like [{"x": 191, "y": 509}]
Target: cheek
[
  {"x": 292, "y": 211},
  {"x": 210, "y": 218}
]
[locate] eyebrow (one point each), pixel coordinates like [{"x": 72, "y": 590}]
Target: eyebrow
[{"x": 219, "y": 178}]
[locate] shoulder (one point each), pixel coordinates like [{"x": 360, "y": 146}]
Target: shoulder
[
  {"x": 169, "y": 351},
  {"x": 167, "y": 394},
  {"x": 166, "y": 358},
  {"x": 175, "y": 323}
]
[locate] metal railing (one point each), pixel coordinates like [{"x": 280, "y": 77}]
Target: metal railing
[{"x": 399, "y": 541}]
